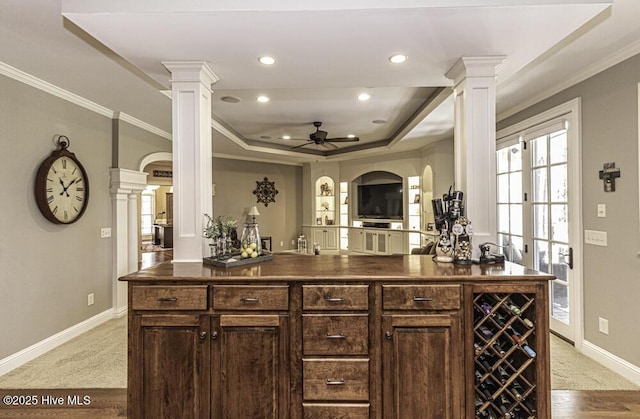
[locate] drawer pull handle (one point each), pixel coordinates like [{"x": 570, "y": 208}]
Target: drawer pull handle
[
  {"x": 421, "y": 299},
  {"x": 339, "y": 382},
  {"x": 340, "y": 336},
  {"x": 334, "y": 299},
  {"x": 168, "y": 299},
  {"x": 249, "y": 299}
]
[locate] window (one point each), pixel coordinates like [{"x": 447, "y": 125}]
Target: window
[
  {"x": 147, "y": 210},
  {"x": 509, "y": 196}
]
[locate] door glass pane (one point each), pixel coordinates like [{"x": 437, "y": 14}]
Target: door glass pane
[
  {"x": 515, "y": 152},
  {"x": 503, "y": 188},
  {"x": 539, "y": 151},
  {"x": 541, "y": 255},
  {"x": 515, "y": 180},
  {"x": 559, "y": 183},
  {"x": 560, "y": 297},
  {"x": 540, "y": 221},
  {"x": 560, "y": 260},
  {"x": 558, "y": 147},
  {"x": 516, "y": 219},
  {"x": 539, "y": 180},
  {"x": 559, "y": 223},
  {"x": 517, "y": 244},
  {"x": 503, "y": 218},
  {"x": 502, "y": 157}
]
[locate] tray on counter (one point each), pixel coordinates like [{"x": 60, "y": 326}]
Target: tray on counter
[{"x": 235, "y": 260}]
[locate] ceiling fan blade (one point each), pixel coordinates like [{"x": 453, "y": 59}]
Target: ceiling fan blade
[
  {"x": 328, "y": 145},
  {"x": 302, "y": 145},
  {"x": 343, "y": 139}
]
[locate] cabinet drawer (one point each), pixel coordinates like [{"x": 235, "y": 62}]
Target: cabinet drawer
[
  {"x": 335, "y": 297},
  {"x": 243, "y": 297},
  {"x": 335, "y": 410},
  {"x": 151, "y": 297},
  {"x": 421, "y": 297},
  {"x": 345, "y": 334},
  {"x": 335, "y": 379}
]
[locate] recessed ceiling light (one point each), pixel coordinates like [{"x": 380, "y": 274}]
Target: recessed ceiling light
[
  {"x": 398, "y": 58},
  {"x": 351, "y": 136},
  {"x": 230, "y": 99},
  {"x": 364, "y": 96},
  {"x": 263, "y": 99},
  {"x": 286, "y": 137},
  {"x": 378, "y": 121},
  {"x": 266, "y": 60}
]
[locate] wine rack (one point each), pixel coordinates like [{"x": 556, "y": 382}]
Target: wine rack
[{"x": 504, "y": 337}]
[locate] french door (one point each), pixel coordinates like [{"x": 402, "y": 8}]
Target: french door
[{"x": 538, "y": 211}]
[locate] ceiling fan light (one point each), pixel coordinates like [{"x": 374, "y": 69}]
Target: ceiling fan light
[
  {"x": 351, "y": 136},
  {"x": 286, "y": 137},
  {"x": 262, "y": 99},
  {"x": 266, "y": 60},
  {"x": 398, "y": 58},
  {"x": 364, "y": 96}
]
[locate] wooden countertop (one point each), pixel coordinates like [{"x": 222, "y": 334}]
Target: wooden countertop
[{"x": 289, "y": 267}]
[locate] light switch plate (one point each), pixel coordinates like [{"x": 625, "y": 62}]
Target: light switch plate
[
  {"x": 598, "y": 238},
  {"x": 602, "y": 210}
]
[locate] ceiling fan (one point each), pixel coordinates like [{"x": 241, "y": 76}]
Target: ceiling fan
[{"x": 320, "y": 138}]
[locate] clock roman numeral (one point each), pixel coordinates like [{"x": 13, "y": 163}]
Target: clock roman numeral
[
  {"x": 75, "y": 169},
  {"x": 79, "y": 189},
  {"x": 49, "y": 190},
  {"x": 79, "y": 198},
  {"x": 64, "y": 163},
  {"x": 65, "y": 215},
  {"x": 50, "y": 198},
  {"x": 55, "y": 210},
  {"x": 75, "y": 209},
  {"x": 49, "y": 180},
  {"x": 54, "y": 170}
]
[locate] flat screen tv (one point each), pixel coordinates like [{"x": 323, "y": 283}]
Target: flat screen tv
[{"x": 382, "y": 201}]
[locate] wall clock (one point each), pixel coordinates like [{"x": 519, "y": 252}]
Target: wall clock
[{"x": 62, "y": 187}]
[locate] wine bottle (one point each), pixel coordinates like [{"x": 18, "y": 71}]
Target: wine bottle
[
  {"x": 504, "y": 375},
  {"x": 503, "y": 404},
  {"x": 486, "y": 332},
  {"x": 485, "y": 307},
  {"x": 487, "y": 361},
  {"x": 499, "y": 346},
  {"x": 530, "y": 405},
  {"x": 477, "y": 348},
  {"x": 517, "y": 390},
  {"x": 527, "y": 322},
  {"x": 486, "y": 393},
  {"x": 512, "y": 306}
]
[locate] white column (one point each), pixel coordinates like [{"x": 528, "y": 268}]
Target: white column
[
  {"x": 191, "y": 101},
  {"x": 475, "y": 141},
  {"x": 132, "y": 232},
  {"x": 124, "y": 184}
]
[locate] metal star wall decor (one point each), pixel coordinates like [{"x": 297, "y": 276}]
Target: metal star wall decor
[{"x": 265, "y": 191}]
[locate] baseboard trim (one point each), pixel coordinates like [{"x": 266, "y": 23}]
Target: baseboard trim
[
  {"x": 19, "y": 358},
  {"x": 120, "y": 312},
  {"x": 614, "y": 363}
]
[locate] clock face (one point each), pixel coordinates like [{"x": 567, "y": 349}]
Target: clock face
[{"x": 62, "y": 191}]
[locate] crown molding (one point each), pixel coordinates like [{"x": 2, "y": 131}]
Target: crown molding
[
  {"x": 598, "y": 67},
  {"x": 255, "y": 159},
  {"x": 44, "y": 86}
]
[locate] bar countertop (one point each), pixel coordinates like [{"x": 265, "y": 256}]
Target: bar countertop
[{"x": 291, "y": 267}]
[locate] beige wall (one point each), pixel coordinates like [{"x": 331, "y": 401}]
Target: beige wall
[
  {"x": 135, "y": 143},
  {"x": 47, "y": 270},
  {"x": 609, "y": 134}
]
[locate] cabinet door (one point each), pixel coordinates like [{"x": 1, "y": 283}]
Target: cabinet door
[
  {"x": 355, "y": 240},
  {"x": 250, "y": 374},
  {"x": 422, "y": 367},
  {"x": 331, "y": 239},
  {"x": 318, "y": 238},
  {"x": 169, "y": 370},
  {"x": 381, "y": 243},
  {"x": 369, "y": 241},
  {"x": 396, "y": 242}
]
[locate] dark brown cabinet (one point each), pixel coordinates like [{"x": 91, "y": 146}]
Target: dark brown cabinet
[
  {"x": 272, "y": 345},
  {"x": 169, "y": 371}
]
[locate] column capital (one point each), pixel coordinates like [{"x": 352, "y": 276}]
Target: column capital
[
  {"x": 124, "y": 181},
  {"x": 191, "y": 71},
  {"x": 474, "y": 67}
]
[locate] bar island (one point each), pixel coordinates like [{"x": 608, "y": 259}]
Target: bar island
[{"x": 337, "y": 336}]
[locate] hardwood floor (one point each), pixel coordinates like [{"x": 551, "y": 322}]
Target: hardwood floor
[{"x": 112, "y": 404}]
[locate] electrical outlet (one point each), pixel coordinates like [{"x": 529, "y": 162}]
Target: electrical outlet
[
  {"x": 603, "y": 325},
  {"x": 602, "y": 210},
  {"x": 105, "y": 232},
  {"x": 90, "y": 299}
]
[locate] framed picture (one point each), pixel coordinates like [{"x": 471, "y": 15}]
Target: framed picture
[
  {"x": 319, "y": 221},
  {"x": 416, "y": 199}
]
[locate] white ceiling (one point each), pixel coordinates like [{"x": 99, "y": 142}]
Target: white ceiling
[{"x": 110, "y": 52}]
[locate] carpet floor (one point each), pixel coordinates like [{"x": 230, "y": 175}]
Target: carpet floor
[{"x": 98, "y": 359}]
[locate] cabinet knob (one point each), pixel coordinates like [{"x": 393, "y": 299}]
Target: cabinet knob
[
  {"x": 203, "y": 335},
  {"x": 214, "y": 335},
  {"x": 388, "y": 335}
]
